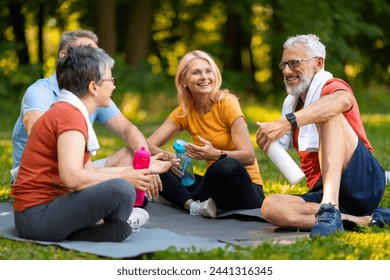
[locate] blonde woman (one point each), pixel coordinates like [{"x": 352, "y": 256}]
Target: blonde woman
[{"x": 220, "y": 136}]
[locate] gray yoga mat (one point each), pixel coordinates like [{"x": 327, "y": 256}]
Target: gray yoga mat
[
  {"x": 238, "y": 227},
  {"x": 168, "y": 227}
]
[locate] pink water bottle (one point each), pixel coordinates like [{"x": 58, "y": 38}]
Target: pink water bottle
[{"x": 141, "y": 161}]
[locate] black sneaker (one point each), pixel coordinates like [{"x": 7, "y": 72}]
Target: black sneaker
[
  {"x": 110, "y": 231},
  {"x": 380, "y": 217},
  {"x": 328, "y": 221}
]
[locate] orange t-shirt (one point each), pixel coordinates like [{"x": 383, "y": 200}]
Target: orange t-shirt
[
  {"x": 38, "y": 180},
  {"x": 214, "y": 126},
  {"x": 309, "y": 160}
]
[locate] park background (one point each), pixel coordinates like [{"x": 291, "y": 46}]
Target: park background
[{"x": 147, "y": 38}]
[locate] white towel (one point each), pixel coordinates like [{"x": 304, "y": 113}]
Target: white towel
[
  {"x": 308, "y": 134},
  {"x": 67, "y": 96}
]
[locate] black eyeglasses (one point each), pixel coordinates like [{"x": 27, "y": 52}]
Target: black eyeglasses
[
  {"x": 293, "y": 63},
  {"x": 112, "y": 79}
]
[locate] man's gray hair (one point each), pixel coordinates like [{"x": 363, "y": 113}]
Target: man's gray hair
[
  {"x": 311, "y": 41},
  {"x": 68, "y": 38}
]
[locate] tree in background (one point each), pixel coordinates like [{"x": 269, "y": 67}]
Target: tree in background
[
  {"x": 354, "y": 31},
  {"x": 245, "y": 37}
]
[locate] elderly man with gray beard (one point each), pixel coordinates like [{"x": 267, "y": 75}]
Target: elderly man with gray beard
[{"x": 321, "y": 120}]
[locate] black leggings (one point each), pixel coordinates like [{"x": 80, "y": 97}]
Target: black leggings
[{"x": 226, "y": 181}]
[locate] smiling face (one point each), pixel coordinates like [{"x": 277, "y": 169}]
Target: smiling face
[
  {"x": 199, "y": 78},
  {"x": 297, "y": 80}
]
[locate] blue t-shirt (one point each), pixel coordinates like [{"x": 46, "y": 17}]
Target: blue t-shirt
[{"x": 39, "y": 97}]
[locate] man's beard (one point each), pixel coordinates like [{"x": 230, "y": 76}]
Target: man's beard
[{"x": 300, "y": 88}]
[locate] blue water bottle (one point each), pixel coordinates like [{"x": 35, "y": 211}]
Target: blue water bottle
[{"x": 188, "y": 178}]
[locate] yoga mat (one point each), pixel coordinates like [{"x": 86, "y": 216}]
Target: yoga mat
[{"x": 169, "y": 226}]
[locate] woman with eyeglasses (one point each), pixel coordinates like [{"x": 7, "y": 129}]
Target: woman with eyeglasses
[
  {"x": 58, "y": 193},
  {"x": 220, "y": 137}
]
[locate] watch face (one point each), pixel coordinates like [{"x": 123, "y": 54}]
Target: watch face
[{"x": 290, "y": 116}]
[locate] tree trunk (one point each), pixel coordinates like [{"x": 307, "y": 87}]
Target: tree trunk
[
  {"x": 106, "y": 25},
  {"x": 18, "y": 21},
  {"x": 41, "y": 17},
  {"x": 139, "y": 35},
  {"x": 40, "y": 32},
  {"x": 233, "y": 41},
  {"x": 278, "y": 37}
]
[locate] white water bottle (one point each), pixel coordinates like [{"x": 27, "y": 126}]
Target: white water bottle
[{"x": 285, "y": 163}]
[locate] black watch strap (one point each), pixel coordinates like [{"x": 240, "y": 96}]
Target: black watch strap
[
  {"x": 293, "y": 120},
  {"x": 223, "y": 155}
]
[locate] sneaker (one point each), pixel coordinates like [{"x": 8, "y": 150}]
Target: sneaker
[
  {"x": 380, "y": 217},
  {"x": 328, "y": 221},
  {"x": 207, "y": 208},
  {"x": 110, "y": 231},
  {"x": 138, "y": 218}
]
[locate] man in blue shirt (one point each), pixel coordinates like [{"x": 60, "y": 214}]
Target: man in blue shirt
[{"x": 44, "y": 92}]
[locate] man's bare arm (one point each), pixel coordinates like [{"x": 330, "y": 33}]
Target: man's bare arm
[{"x": 30, "y": 118}]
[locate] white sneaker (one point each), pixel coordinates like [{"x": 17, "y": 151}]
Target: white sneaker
[
  {"x": 138, "y": 218},
  {"x": 207, "y": 208}
]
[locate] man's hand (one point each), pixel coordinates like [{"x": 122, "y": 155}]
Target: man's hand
[{"x": 269, "y": 132}]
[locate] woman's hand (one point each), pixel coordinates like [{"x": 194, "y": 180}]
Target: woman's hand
[
  {"x": 139, "y": 178},
  {"x": 177, "y": 170},
  {"x": 155, "y": 186},
  {"x": 158, "y": 164},
  {"x": 206, "y": 152}
]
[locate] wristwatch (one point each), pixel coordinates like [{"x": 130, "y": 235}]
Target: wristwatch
[
  {"x": 223, "y": 155},
  {"x": 293, "y": 120}
]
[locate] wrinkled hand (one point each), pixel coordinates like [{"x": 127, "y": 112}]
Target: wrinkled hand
[
  {"x": 176, "y": 167},
  {"x": 158, "y": 165},
  {"x": 269, "y": 132},
  {"x": 139, "y": 178},
  {"x": 155, "y": 186},
  {"x": 166, "y": 156},
  {"x": 206, "y": 152}
]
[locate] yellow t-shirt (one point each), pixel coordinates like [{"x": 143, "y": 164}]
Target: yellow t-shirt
[{"x": 214, "y": 126}]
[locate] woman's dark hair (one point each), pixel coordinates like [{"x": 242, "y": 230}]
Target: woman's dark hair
[{"x": 80, "y": 66}]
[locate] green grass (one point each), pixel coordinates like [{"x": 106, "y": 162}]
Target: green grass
[{"x": 368, "y": 244}]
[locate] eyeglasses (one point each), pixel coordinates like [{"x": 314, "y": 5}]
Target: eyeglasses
[
  {"x": 112, "y": 79},
  {"x": 293, "y": 63}
]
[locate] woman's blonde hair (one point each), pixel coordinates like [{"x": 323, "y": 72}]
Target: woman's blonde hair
[{"x": 184, "y": 97}]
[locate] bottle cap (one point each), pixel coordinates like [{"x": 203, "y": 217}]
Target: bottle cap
[
  {"x": 142, "y": 152},
  {"x": 178, "y": 145}
]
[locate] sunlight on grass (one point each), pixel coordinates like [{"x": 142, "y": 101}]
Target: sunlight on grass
[
  {"x": 256, "y": 113},
  {"x": 105, "y": 141},
  {"x": 376, "y": 118},
  {"x": 6, "y": 151},
  {"x": 3, "y": 192},
  {"x": 377, "y": 242}
]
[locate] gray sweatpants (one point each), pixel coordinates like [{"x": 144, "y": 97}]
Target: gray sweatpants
[{"x": 55, "y": 220}]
